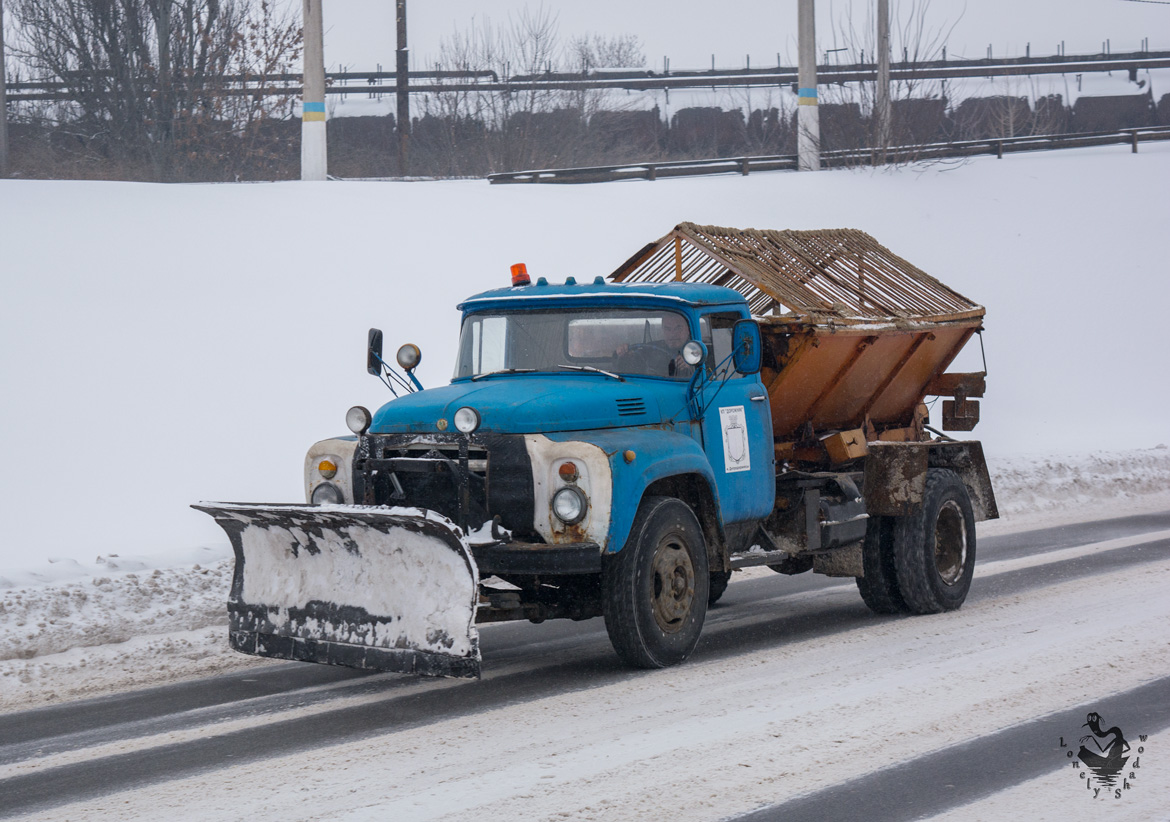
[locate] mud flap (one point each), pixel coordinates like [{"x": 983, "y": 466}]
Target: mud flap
[{"x": 385, "y": 589}]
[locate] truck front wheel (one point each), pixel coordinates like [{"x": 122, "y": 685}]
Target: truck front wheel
[
  {"x": 655, "y": 589},
  {"x": 934, "y": 549}
]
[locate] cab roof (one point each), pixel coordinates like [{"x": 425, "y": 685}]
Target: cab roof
[{"x": 600, "y": 292}]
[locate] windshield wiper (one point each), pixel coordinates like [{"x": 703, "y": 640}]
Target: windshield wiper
[
  {"x": 503, "y": 371},
  {"x": 594, "y": 370}
]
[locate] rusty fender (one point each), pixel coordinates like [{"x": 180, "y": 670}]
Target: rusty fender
[{"x": 895, "y": 476}]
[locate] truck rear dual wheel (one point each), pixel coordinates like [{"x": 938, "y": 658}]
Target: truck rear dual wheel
[
  {"x": 879, "y": 586},
  {"x": 655, "y": 589},
  {"x": 934, "y": 549}
]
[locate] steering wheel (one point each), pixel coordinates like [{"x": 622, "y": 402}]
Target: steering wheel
[{"x": 643, "y": 358}]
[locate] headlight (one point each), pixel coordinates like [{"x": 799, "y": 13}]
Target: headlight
[
  {"x": 327, "y": 494},
  {"x": 569, "y": 505},
  {"x": 466, "y": 420},
  {"x": 409, "y": 356},
  {"x": 358, "y": 420},
  {"x": 692, "y": 352}
]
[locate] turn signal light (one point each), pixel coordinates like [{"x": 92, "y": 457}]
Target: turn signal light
[
  {"x": 568, "y": 471},
  {"x": 327, "y": 468},
  {"x": 520, "y": 275}
]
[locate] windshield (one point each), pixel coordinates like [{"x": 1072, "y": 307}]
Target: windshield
[{"x": 644, "y": 342}]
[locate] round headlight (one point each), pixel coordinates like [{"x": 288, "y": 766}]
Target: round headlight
[
  {"x": 327, "y": 494},
  {"x": 569, "y": 505},
  {"x": 409, "y": 356},
  {"x": 358, "y": 419},
  {"x": 466, "y": 420},
  {"x": 692, "y": 352}
]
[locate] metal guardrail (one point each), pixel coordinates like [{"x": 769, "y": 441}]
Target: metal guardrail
[
  {"x": 434, "y": 82},
  {"x": 270, "y": 85},
  {"x": 998, "y": 146}
]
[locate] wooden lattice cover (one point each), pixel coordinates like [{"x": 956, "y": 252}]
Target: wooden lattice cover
[{"x": 841, "y": 276}]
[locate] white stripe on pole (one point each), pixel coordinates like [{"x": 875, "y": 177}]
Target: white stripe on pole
[{"x": 808, "y": 122}]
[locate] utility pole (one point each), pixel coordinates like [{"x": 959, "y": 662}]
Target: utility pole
[
  {"x": 165, "y": 75},
  {"x": 402, "y": 84},
  {"x": 3, "y": 103},
  {"x": 808, "y": 123},
  {"x": 314, "y": 159},
  {"x": 882, "y": 92}
]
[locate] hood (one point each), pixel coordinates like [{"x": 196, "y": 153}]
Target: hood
[{"x": 527, "y": 404}]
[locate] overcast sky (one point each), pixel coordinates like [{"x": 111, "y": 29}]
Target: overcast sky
[{"x": 360, "y": 33}]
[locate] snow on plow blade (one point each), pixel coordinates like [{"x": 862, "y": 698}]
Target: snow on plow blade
[{"x": 385, "y": 589}]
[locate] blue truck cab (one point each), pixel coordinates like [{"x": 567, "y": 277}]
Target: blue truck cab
[{"x": 583, "y": 421}]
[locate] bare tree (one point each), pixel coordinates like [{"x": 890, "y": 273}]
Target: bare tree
[
  {"x": 918, "y": 104},
  {"x": 153, "y": 79},
  {"x": 524, "y": 128}
]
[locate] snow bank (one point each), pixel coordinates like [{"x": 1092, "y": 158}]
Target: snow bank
[
  {"x": 110, "y": 633},
  {"x": 1030, "y": 484},
  {"x": 50, "y": 619}
]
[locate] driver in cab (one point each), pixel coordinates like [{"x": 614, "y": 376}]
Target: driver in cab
[{"x": 668, "y": 360}]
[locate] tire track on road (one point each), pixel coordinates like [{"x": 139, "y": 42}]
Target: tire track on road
[{"x": 942, "y": 780}]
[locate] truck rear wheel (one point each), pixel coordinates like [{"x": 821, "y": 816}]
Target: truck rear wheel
[
  {"x": 934, "y": 550},
  {"x": 655, "y": 589},
  {"x": 879, "y": 586},
  {"x": 718, "y": 586}
]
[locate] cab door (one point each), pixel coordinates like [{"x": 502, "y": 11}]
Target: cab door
[{"x": 737, "y": 426}]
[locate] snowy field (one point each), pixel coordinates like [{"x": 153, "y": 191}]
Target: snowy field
[{"x": 160, "y": 345}]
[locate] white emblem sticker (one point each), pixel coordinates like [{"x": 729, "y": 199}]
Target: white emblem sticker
[{"x": 736, "y": 456}]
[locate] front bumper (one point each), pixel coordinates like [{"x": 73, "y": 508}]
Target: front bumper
[{"x": 539, "y": 559}]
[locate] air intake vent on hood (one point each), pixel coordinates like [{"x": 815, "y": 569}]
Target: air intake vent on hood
[{"x": 631, "y": 407}]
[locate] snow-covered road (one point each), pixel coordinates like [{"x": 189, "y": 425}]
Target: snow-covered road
[{"x": 795, "y": 688}]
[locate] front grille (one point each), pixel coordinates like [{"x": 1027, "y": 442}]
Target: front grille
[
  {"x": 477, "y": 456},
  {"x": 631, "y": 407},
  {"x": 422, "y": 471}
]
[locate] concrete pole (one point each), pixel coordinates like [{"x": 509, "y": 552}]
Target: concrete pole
[
  {"x": 314, "y": 160},
  {"x": 808, "y": 123},
  {"x": 402, "y": 87},
  {"x": 882, "y": 91},
  {"x": 3, "y": 102}
]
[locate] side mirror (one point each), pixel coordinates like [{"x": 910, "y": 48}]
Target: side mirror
[
  {"x": 747, "y": 346},
  {"x": 374, "y": 352}
]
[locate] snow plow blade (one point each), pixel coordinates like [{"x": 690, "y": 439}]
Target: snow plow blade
[{"x": 384, "y": 589}]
